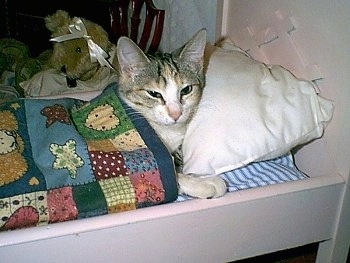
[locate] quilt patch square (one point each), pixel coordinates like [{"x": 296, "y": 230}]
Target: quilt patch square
[
  {"x": 140, "y": 160},
  {"x": 128, "y": 141},
  {"x": 119, "y": 192},
  {"x": 61, "y": 205},
  {"x": 18, "y": 171},
  {"x": 108, "y": 164},
  {"x": 24, "y": 210},
  {"x": 59, "y": 151},
  {"x": 121, "y": 207},
  {"x": 102, "y": 118},
  {"x": 103, "y": 145},
  {"x": 90, "y": 200},
  {"x": 148, "y": 189}
]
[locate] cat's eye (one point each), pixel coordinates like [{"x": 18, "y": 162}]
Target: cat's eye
[
  {"x": 155, "y": 94},
  {"x": 186, "y": 90}
]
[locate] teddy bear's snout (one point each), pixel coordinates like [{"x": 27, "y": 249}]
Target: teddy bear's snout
[
  {"x": 71, "y": 82},
  {"x": 64, "y": 69}
]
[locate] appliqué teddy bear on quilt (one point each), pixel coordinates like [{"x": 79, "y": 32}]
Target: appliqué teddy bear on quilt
[{"x": 82, "y": 58}]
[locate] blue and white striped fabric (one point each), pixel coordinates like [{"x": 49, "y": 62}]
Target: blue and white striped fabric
[{"x": 258, "y": 174}]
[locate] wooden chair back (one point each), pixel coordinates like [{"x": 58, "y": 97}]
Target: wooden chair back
[{"x": 126, "y": 19}]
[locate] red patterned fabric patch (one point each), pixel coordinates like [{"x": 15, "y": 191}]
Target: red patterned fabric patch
[
  {"x": 61, "y": 205},
  {"x": 108, "y": 164},
  {"x": 147, "y": 187}
]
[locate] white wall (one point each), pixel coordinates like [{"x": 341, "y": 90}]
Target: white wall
[
  {"x": 312, "y": 39},
  {"x": 184, "y": 18}
]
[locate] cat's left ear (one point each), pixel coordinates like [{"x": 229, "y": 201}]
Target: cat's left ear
[{"x": 193, "y": 51}]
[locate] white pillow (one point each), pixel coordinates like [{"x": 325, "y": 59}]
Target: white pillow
[{"x": 250, "y": 112}]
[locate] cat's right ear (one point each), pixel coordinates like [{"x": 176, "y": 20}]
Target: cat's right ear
[
  {"x": 131, "y": 58},
  {"x": 193, "y": 52}
]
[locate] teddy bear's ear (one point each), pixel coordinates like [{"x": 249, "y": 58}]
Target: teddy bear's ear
[
  {"x": 98, "y": 34},
  {"x": 57, "y": 20}
]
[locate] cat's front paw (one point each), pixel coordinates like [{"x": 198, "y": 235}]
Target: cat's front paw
[{"x": 201, "y": 187}]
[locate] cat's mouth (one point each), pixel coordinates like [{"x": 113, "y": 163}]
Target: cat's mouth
[{"x": 171, "y": 122}]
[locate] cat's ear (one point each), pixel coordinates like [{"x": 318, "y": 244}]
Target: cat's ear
[
  {"x": 131, "y": 58},
  {"x": 193, "y": 51}
]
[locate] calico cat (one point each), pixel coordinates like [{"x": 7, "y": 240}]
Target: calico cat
[{"x": 166, "y": 89}]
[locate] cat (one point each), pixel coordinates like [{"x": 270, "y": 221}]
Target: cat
[{"x": 166, "y": 89}]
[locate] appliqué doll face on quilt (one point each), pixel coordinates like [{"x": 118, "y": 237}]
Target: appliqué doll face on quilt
[
  {"x": 12, "y": 164},
  {"x": 7, "y": 141}
]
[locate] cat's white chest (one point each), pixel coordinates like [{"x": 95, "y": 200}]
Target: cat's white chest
[{"x": 172, "y": 135}]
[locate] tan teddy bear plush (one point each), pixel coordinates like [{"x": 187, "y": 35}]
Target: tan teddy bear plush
[{"x": 82, "y": 58}]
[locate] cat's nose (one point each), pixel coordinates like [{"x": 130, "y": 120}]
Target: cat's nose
[
  {"x": 175, "y": 115},
  {"x": 174, "y": 110}
]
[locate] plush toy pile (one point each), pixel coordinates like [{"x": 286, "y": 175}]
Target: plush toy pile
[
  {"x": 17, "y": 65},
  {"x": 82, "y": 58}
]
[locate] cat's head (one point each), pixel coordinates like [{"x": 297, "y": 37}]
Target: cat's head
[{"x": 165, "y": 88}]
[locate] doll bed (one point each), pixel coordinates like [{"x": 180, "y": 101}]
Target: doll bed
[
  {"x": 67, "y": 159},
  {"x": 239, "y": 225},
  {"x": 225, "y": 228}
]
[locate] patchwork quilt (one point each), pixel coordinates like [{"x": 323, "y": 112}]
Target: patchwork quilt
[{"x": 66, "y": 159}]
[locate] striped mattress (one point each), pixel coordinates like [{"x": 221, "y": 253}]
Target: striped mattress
[{"x": 259, "y": 174}]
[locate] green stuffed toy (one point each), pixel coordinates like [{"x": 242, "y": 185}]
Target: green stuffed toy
[{"x": 16, "y": 62}]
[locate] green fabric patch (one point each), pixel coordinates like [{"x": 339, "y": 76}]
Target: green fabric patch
[
  {"x": 90, "y": 200},
  {"x": 103, "y": 118}
]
